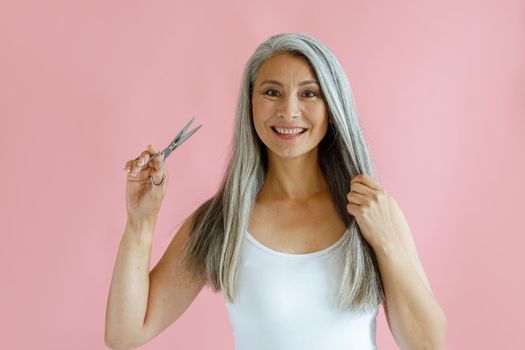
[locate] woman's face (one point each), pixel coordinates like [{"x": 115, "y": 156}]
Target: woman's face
[{"x": 287, "y": 96}]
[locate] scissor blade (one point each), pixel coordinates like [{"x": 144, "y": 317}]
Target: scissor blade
[
  {"x": 185, "y": 137},
  {"x": 177, "y": 141},
  {"x": 186, "y": 127}
]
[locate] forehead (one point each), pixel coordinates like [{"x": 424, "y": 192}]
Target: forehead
[{"x": 285, "y": 65}]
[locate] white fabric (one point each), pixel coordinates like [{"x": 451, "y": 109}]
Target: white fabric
[{"x": 287, "y": 302}]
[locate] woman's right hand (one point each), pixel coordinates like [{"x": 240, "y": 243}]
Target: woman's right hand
[{"x": 143, "y": 199}]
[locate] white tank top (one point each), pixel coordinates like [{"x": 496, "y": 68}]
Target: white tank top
[{"x": 287, "y": 302}]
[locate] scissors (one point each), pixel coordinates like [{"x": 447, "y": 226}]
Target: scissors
[{"x": 177, "y": 141}]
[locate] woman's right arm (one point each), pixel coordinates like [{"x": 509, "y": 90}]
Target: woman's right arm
[
  {"x": 141, "y": 304},
  {"x": 128, "y": 294}
]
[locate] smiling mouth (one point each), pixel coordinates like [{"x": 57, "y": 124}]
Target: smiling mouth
[{"x": 284, "y": 131}]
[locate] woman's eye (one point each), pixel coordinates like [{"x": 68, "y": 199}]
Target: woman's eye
[
  {"x": 313, "y": 94},
  {"x": 268, "y": 92}
]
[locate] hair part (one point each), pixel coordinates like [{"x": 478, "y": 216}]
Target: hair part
[{"x": 220, "y": 223}]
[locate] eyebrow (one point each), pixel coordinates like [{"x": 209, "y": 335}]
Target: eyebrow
[{"x": 276, "y": 82}]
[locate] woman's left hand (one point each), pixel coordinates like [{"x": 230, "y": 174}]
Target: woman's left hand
[{"x": 378, "y": 215}]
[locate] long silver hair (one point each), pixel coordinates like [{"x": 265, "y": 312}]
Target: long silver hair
[{"x": 220, "y": 223}]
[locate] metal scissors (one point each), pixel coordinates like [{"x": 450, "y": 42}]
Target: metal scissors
[{"x": 177, "y": 141}]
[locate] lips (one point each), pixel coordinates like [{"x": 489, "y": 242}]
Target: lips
[
  {"x": 291, "y": 133},
  {"x": 289, "y": 126}
]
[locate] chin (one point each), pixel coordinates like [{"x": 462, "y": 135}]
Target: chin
[{"x": 291, "y": 154}]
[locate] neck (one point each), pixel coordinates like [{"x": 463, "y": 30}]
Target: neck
[{"x": 296, "y": 178}]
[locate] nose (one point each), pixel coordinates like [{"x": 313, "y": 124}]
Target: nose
[{"x": 289, "y": 108}]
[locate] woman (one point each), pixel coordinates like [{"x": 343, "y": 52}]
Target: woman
[{"x": 300, "y": 237}]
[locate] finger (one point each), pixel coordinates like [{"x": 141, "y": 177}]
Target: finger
[
  {"x": 128, "y": 165},
  {"x": 158, "y": 165},
  {"x": 356, "y": 198},
  {"x": 158, "y": 162},
  {"x": 135, "y": 168},
  {"x": 137, "y": 165},
  {"x": 353, "y": 209},
  {"x": 153, "y": 149},
  {"x": 131, "y": 165},
  {"x": 361, "y": 188},
  {"x": 143, "y": 158},
  {"x": 366, "y": 180}
]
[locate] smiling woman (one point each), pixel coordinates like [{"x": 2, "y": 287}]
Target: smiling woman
[
  {"x": 297, "y": 144},
  {"x": 280, "y": 238}
]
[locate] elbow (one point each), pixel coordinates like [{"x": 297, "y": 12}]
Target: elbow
[
  {"x": 437, "y": 340},
  {"x": 116, "y": 345},
  {"x": 119, "y": 343},
  {"x": 113, "y": 344},
  {"x": 119, "y": 337}
]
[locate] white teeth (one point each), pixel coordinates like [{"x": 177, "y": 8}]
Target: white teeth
[{"x": 289, "y": 131}]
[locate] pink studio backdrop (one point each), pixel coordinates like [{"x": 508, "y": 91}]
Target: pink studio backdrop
[{"x": 86, "y": 85}]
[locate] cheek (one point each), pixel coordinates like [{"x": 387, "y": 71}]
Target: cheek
[
  {"x": 320, "y": 115},
  {"x": 262, "y": 108},
  {"x": 261, "y": 112},
  {"x": 321, "y": 107},
  {"x": 258, "y": 126},
  {"x": 258, "y": 122},
  {"x": 257, "y": 118}
]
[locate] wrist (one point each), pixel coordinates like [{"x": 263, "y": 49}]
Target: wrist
[{"x": 141, "y": 224}]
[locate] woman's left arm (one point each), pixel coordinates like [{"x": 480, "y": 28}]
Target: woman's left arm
[{"x": 415, "y": 318}]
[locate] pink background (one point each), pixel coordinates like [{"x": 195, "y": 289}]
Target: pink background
[{"x": 86, "y": 85}]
